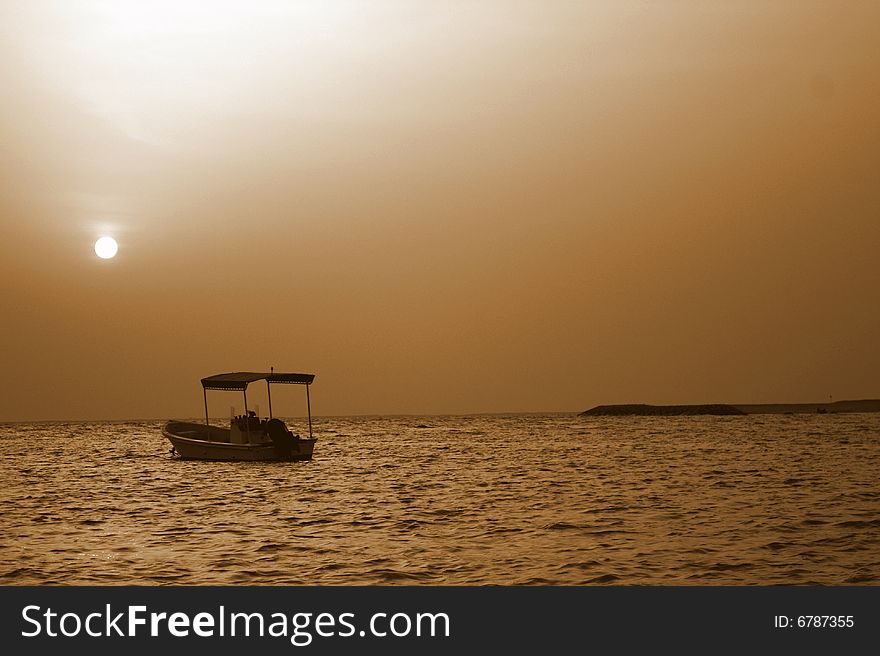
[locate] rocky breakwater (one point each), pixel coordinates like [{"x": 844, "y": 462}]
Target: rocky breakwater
[{"x": 640, "y": 409}]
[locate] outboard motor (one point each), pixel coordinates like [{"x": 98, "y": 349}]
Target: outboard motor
[{"x": 283, "y": 440}]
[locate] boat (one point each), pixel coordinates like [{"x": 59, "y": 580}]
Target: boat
[{"x": 248, "y": 437}]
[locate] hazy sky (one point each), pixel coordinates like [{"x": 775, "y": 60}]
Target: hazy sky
[{"x": 438, "y": 207}]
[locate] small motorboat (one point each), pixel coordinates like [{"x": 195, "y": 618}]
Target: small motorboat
[{"x": 248, "y": 437}]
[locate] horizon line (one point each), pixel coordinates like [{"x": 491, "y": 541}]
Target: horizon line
[{"x": 438, "y": 414}]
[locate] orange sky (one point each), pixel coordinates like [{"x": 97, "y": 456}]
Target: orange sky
[{"x": 438, "y": 207}]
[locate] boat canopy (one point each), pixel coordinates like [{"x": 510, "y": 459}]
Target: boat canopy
[{"x": 239, "y": 380}]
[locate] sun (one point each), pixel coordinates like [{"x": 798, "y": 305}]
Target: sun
[{"x": 106, "y": 247}]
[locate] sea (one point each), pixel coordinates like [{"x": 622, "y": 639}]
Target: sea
[{"x": 544, "y": 499}]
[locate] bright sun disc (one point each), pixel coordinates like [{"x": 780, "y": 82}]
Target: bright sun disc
[{"x": 106, "y": 247}]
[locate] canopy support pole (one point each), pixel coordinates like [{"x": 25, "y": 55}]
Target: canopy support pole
[
  {"x": 247, "y": 419},
  {"x": 205, "y": 392},
  {"x": 269, "y": 392},
  {"x": 309, "y": 406}
]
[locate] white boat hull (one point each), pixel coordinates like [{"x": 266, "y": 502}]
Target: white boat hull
[{"x": 201, "y": 442}]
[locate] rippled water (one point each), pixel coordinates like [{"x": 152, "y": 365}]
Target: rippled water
[{"x": 548, "y": 499}]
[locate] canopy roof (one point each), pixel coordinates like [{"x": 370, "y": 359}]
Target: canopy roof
[{"x": 239, "y": 380}]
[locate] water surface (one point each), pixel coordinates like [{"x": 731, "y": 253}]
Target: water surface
[{"x": 538, "y": 499}]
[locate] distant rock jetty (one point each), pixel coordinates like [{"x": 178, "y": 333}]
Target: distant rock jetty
[
  {"x": 639, "y": 409},
  {"x": 861, "y": 405},
  {"x": 661, "y": 410}
]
